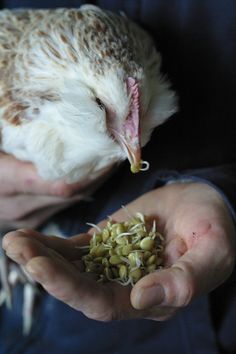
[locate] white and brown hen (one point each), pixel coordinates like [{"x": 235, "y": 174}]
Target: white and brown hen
[{"x": 80, "y": 90}]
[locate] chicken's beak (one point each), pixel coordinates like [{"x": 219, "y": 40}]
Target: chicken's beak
[
  {"x": 133, "y": 152},
  {"x": 128, "y": 134},
  {"x": 131, "y": 146},
  {"x": 131, "y": 127}
]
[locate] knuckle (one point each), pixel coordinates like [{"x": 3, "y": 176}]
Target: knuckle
[
  {"x": 19, "y": 211},
  {"x": 16, "y": 215},
  {"x": 227, "y": 254},
  {"x": 182, "y": 290},
  {"x": 160, "y": 314},
  {"x": 63, "y": 190},
  {"x": 164, "y": 317},
  {"x": 229, "y": 260},
  {"x": 101, "y": 313},
  {"x": 108, "y": 316}
]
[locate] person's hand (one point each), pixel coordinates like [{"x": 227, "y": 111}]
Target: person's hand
[
  {"x": 25, "y": 198},
  {"x": 199, "y": 256}
]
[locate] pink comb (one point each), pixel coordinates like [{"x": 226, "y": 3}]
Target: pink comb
[{"x": 132, "y": 121}]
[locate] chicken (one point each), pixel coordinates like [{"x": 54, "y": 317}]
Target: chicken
[{"x": 80, "y": 90}]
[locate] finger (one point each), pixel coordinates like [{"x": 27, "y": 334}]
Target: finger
[
  {"x": 22, "y": 249},
  {"x": 63, "y": 281},
  {"x": 59, "y": 277},
  {"x": 15, "y": 208},
  {"x": 198, "y": 271},
  {"x": 16, "y": 241},
  {"x": 102, "y": 302},
  {"x": 28, "y": 180}
]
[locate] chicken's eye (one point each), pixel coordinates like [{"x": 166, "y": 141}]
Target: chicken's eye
[{"x": 100, "y": 104}]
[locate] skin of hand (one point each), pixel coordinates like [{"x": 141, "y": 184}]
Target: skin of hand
[
  {"x": 200, "y": 255},
  {"x": 25, "y": 198}
]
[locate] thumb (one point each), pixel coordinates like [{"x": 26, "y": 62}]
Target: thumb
[{"x": 199, "y": 270}]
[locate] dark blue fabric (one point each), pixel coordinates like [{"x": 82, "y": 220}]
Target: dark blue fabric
[
  {"x": 58, "y": 329},
  {"x": 197, "y": 41}
]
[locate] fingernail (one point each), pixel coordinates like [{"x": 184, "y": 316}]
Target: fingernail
[
  {"x": 149, "y": 297},
  {"x": 34, "y": 271},
  {"x": 9, "y": 238},
  {"x": 30, "y": 269},
  {"x": 17, "y": 257},
  {"x": 6, "y": 241}
]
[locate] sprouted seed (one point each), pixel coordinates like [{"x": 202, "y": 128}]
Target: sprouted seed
[
  {"x": 124, "y": 252},
  {"x": 141, "y": 166}
]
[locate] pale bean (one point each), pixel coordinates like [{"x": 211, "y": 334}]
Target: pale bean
[
  {"x": 112, "y": 252},
  {"x": 99, "y": 251},
  {"x": 123, "y": 272},
  {"x": 151, "y": 268},
  {"x": 126, "y": 250},
  {"x": 118, "y": 250},
  {"x": 132, "y": 258},
  {"x": 147, "y": 243},
  {"x": 115, "y": 260},
  {"x": 135, "y": 274},
  {"x": 107, "y": 272},
  {"x": 105, "y": 235},
  {"x": 120, "y": 229},
  {"x": 122, "y": 240},
  {"x": 146, "y": 255},
  {"x": 152, "y": 260}
]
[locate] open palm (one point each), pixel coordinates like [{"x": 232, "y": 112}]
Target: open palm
[{"x": 199, "y": 255}]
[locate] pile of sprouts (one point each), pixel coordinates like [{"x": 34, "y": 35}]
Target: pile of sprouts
[{"x": 124, "y": 252}]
